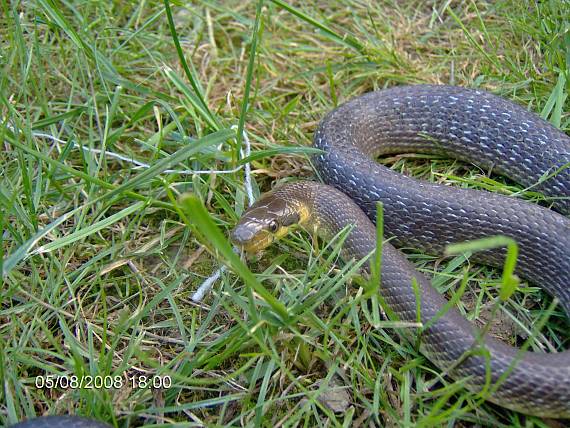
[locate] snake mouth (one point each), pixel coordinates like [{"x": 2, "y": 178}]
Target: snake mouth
[{"x": 252, "y": 240}]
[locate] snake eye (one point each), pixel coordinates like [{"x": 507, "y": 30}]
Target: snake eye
[{"x": 273, "y": 226}]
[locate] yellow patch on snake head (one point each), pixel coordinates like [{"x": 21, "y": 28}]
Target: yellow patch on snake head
[{"x": 264, "y": 222}]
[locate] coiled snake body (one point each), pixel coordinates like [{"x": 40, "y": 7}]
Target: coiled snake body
[{"x": 470, "y": 125}]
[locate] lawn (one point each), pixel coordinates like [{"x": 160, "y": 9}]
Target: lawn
[{"x": 111, "y": 112}]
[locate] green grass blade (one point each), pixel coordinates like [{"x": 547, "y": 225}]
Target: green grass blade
[
  {"x": 555, "y": 103},
  {"x": 346, "y": 39},
  {"x": 24, "y": 250},
  {"x": 42, "y": 123},
  {"x": 194, "y": 99},
  {"x": 89, "y": 230},
  {"x": 471, "y": 38},
  {"x": 175, "y": 159},
  {"x": 510, "y": 280},
  {"x": 199, "y": 94},
  {"x": 249, "y": 74},
  {"x": 261, "y": 154}
]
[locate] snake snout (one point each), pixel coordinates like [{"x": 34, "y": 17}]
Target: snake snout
[
  {"x": 243, "y": 234},
  {"x": 251, "y": 236}
]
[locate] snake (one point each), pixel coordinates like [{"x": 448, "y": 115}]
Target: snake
[
  {"x": 471, "y": 125},
  {"x": 61, "y": 421}
]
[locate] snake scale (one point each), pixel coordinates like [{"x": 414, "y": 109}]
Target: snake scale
[{"x": 466, "y": 124}]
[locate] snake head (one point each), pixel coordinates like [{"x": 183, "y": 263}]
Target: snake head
[{"x": 264, "y": 222}]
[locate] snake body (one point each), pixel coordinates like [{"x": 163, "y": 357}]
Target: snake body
[
  {"x": 63, "y": 421},
  {"x": 474, "y": 126}
]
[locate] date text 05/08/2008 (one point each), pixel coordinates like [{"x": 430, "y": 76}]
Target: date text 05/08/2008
[{"x": 102, "y": 382}]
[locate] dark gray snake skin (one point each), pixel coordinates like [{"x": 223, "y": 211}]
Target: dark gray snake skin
[
  {"x": 65, "y": 421},
  {"x": 474, "y": 126}
]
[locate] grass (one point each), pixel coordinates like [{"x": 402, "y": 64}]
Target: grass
[{"x": 100, "y": 265}]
